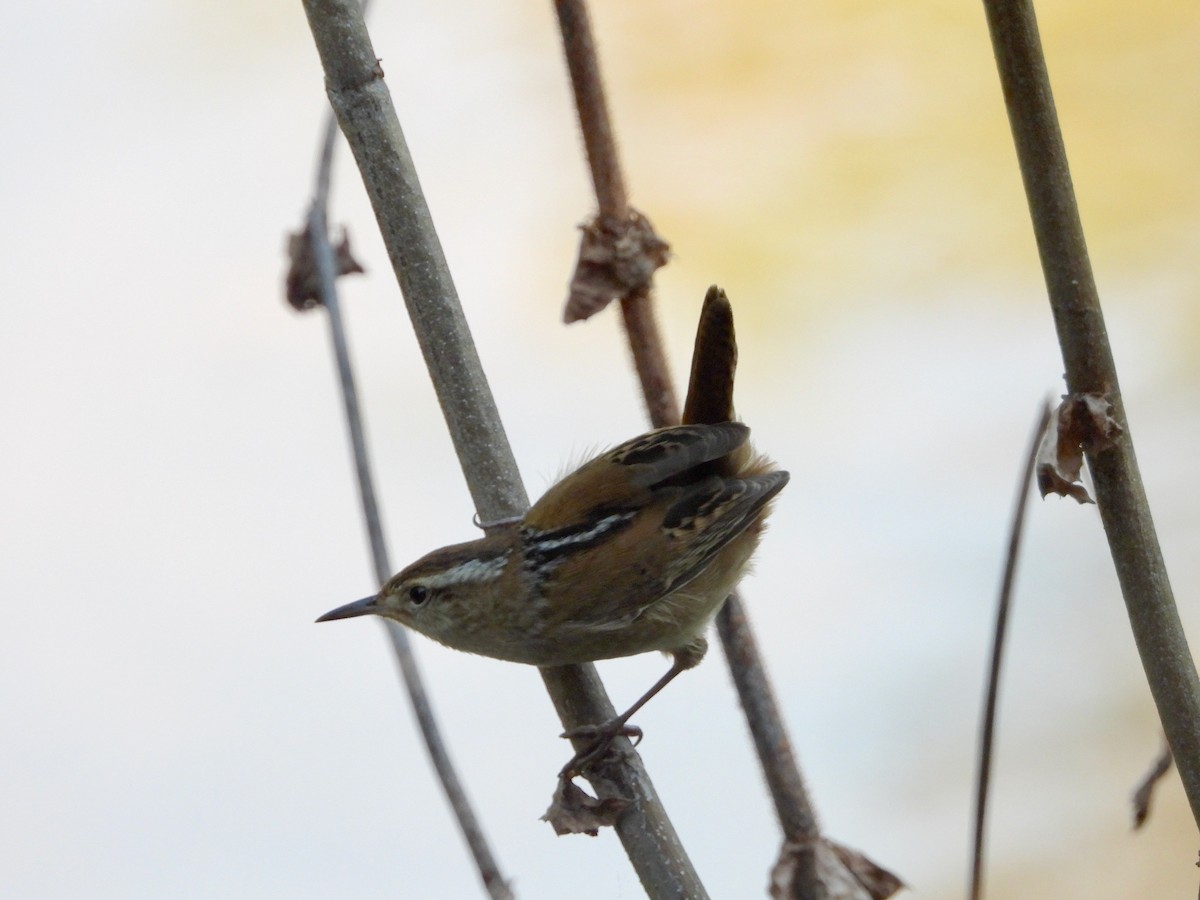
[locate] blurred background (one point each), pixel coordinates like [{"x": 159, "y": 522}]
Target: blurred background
[{"x": 179, "y": 502}]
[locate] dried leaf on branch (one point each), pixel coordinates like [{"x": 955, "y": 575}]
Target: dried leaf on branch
[
  {"x": 1083, "y": 423},
  {"x": 302, "y": 286},
  {"x": 617, "y": 258},
  {"x": 574, "y": 811},
  {"x": 841, "y": 873}
]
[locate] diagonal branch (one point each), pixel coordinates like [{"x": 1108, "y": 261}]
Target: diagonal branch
[
  {"x": 733, "y": 628},
  {"x": 616, "y": 219},
  {"x": 1082, "y": 336},
  {"x": 362, "y": 103},
  {"x": 776, "y": 756}
]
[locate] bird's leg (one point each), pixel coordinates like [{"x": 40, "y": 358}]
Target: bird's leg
[{"x": 600, "y": 737}]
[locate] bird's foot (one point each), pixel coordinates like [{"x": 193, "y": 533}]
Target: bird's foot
[{"x": 598, "y": 741}]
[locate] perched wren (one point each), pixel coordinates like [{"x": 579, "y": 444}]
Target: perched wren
[{"x": 635, "y": 550}]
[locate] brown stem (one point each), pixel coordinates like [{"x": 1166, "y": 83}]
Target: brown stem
[
  {"x": 999, "y": 633},
  {"x": 749, "y": 674},
  {"x": 649, "y": 358},
  {"x": 1083, "y": 339},
  {"x": 592, "y": 108},
  {"x": 793, "y": 809}
]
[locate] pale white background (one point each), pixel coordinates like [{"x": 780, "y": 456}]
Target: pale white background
[{"x": 178, "y": 502}]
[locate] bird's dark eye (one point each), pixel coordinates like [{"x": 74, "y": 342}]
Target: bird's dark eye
[{"x": 418, "y": 594}]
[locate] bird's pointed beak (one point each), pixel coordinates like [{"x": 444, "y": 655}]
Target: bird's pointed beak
[{"x": 362, "y": 607}]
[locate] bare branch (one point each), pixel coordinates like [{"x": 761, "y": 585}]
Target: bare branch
[
  {"x": 632, "y": 250},
  {"x": 793, "y": 809},
  {"x": 775, "y": 754},
  {"x": 1083, "y": 339},
  {"x": 592, "y": 107},
  {"x": 327, "y": 269},
  {"x": 362, "y": 103}
]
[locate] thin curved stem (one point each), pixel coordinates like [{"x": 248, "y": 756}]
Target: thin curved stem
[
  {"x": 326, "y": 266},
  {"x": 999, "y": 634}
]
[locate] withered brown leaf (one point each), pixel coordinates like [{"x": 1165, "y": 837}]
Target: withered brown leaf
[
  {"x": 842, "y": 873},
  {"x": 616, "y": 258},
  {"x": 574, "y": 811},
  {"x": 1083, "y": 423}
]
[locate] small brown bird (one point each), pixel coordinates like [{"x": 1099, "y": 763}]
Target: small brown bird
[{"x": 636, "y": 550}]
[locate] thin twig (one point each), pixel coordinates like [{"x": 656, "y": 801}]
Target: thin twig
[
  {"x": 1124, "y": 510},
  {"x": 1145, "y": 789},
  {"x": 999, "y": 633},
  {"x": 592, "y": 107},
  {"x": 775, "y": 753},
  {"x": 645, "y": 341},
  {"x": 323, "y": 255},
  {"x": 367, "y": 117},
  {"x": 793, "y": 808},
  {"x": 650, "y": 359}
]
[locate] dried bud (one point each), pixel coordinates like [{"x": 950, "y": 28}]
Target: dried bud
[{"x": 303, "y": 284}]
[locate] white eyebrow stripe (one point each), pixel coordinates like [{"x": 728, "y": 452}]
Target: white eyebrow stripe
[{"x": 470, "y": 570}]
